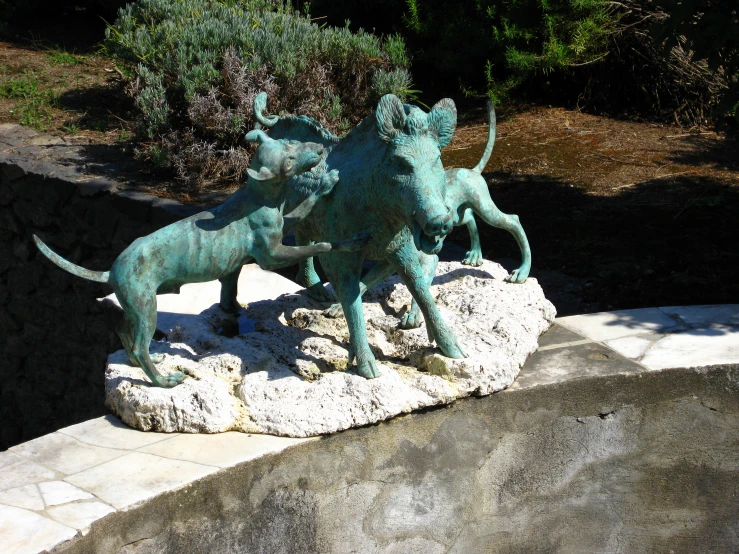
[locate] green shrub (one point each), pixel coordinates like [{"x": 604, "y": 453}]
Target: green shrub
[
  {"x": 500, "y": 44},
  {"x": 200, "y": 63},
  {"x": 675, "y": 60}
]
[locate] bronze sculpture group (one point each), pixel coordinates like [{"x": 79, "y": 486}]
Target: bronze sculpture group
[{"x": 383, "y": 185}]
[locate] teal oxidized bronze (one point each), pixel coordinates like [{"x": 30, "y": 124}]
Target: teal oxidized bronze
[
  {"x": 392, "y": 185},
  {"x": 214, "y": 244},
  {"x": 466, "y": 194}
]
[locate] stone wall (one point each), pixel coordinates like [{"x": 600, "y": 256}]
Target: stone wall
[
  {"x": 643, "y": 462},
  {"x": 53, "y": 340}
]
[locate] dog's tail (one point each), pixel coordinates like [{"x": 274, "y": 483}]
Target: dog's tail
[
  {"x": 99, "y": 276},
  {"x": 260, "y": 104},
  {"x": 491, "y": 141}
]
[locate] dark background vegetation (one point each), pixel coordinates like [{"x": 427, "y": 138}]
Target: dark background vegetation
[{"x": 674, "y": 60}]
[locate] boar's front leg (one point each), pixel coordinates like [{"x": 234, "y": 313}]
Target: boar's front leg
[
  {"x": 406, "y": 263},
  {"x": 344, "y": 271}
]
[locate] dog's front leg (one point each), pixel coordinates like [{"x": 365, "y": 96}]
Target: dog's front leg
[
  {"x": 406, "y": 262},
  {"x": 280, "y": 255}
]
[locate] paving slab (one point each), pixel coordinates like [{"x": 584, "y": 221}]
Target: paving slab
[
  {"x": 59, "y": 492},
  {"x": 65, "y": 454},
  {"x": 16, "y": 471},
  {"x": 135, "y": 477},
  {"x": 634, "y": 347},
  {"x": 701, "y": 316},
  {"x": 220, "y": 449},
  {"x": 25, "y": 532},
  {"x": 27, "y": 497},
  {"x": 591, "y": 359},
  {"x": 604, "y": 326},
  {"x": 557, "y": 334},
  {"x": 697, "y": 347},
  {"x": 110, "y": 432},
  {"x": 80, "y": 514}
]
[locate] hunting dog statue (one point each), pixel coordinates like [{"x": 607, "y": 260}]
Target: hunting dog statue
[
  {"x": 392, "y": 186},
  {"x": 213, "y": 244}
]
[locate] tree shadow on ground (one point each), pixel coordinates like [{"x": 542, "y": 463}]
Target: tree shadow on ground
[
  {"x": 708, "y": 151},
  {"x": 657, "y": 243},
  {"x": 101, "y": 107}
]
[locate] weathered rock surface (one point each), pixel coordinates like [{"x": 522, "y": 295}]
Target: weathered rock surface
[{"x": 287, "y": 374}]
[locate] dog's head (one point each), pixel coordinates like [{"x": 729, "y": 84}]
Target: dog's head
[{"x": 279, "y": 160}]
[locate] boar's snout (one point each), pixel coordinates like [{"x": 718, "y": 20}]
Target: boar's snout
[{"x": 440, "y": 225}]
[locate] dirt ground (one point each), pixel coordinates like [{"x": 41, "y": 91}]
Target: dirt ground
[
  {"x": 619, "y": 214},
  {"x": 638, "y": 214}
]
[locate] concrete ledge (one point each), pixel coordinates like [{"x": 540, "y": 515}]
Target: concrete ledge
[{"x": 639, "y": 462}]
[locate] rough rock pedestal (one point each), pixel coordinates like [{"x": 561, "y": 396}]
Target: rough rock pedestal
[{"x": 281, "y": 366}]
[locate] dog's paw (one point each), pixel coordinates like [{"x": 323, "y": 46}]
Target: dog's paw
[
  {"x": 334, "y": 311},
  {"x": 173, "y": 379},
  {"x": 519, "y": 275},
  {"x": 320, "y": 293},
  {"x": 328, "y": 182},
  {"x": 473, "y": 258},
  {"x": 411, "y": 320}
]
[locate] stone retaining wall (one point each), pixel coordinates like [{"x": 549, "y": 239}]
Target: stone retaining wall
[
  {"x": 53, "y": 340},
  {"x": 643, "y": 462}
]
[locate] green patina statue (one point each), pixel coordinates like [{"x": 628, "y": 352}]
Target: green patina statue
[
  {"x": 392, "y": 185},
  {"x": 214, "y": 244},
  {"x": 466, "y": 193}
]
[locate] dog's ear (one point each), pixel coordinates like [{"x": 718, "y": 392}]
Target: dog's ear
[
  {"x": 258, "y": 136},
  {"x": 263, "y": 175}
]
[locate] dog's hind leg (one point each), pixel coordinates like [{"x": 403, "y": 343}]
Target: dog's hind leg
[
  {"x": 474, "y": 256},
  {"x": 229, "y": 291},
  {"x": 143, "y": 321},
  {"x": 124, "y": 330},
  {"x": 485, "y": 208}
]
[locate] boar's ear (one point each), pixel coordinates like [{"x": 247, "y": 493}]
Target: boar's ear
[
  {"x": 263, "y": 175},
  {"x": 390, "y": 117},
  {"x": 257, "y": 136},
  {"x": 443, "y": 121}
]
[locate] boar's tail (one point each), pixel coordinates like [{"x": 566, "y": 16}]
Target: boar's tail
[
  {"x": 99, "y": 276},
  {"x": 260, "y": 104},
  {"x": 491, "y": 141}
]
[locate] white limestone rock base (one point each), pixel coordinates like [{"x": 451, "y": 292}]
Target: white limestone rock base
[{"x": 287, "y": 372}]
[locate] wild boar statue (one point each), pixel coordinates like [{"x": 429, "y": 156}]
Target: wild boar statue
[{"x": 392, "y": 186}]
